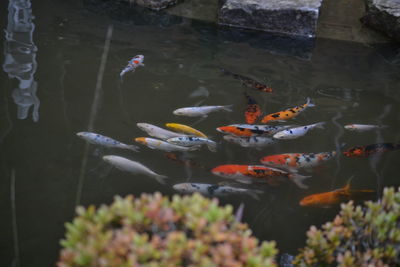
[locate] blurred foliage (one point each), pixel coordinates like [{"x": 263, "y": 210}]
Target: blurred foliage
[
  {"x": 155, "y": 231},
  {"x": 358, "y": 236}
]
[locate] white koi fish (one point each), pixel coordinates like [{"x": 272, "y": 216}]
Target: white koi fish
[
  {"x": 202, "y": 111},
  {"x": 193, "y": 141},
  {"x": 252, "y": 141},
  {"x": 135, "y": 62},
  {"x": 297, "y": 132},
  {"x": 161, "y": 145},
  {"x": 363, "y": 127},
  {"x": 214, "y": 189},
  {"x": 131, "y": 166},
  {"x": 98, "y": 139},
  {"x": 158, "y": 132}
]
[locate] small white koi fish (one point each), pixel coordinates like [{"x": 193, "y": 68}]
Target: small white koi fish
[
  {"x": 135, "y": 62},
  {"x": 297, "y": 132},
  {"x": 133, "y": 167},
  {"x": 98, "y": 139},
  {"x": 158, "y": 132},
  {"x": 252, "y": 141},
  {"x": 193, "y": 141},
  {"x": 202, "y": 111},
  {"x": 363, "y": 127},
  {"x": 161, "y": 145},
  {"x": 214, "y": 189}
]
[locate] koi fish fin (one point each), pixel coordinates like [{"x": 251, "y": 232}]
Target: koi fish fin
[
  {"x": 309, "y": 103},
  {"x": 133, "y": 148},
  {"x": 239, "y": 213},
  {"x": 244, "y": 180},
  {"x": 298, "y": 180},
  {"x": 141, "y": 64},
  {"x": 160, "y": 178},
  {"x": 212, "y": 147},
  {"x": 193, "y": 148},
  {"x": 254, "y": 193},
  {"x": 228, "y": 108}
]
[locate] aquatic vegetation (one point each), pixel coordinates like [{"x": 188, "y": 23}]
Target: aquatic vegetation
[
  {"x": 153, "y": 230},
  {"x": 358, "y": 236}
]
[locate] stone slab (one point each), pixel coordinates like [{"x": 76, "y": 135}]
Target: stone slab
[
  {"x": 291, "y": 17},
  {"x": 384, "y": 15}
]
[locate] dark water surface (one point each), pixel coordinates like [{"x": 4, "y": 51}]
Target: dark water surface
[{"x": 47, "y": 95}]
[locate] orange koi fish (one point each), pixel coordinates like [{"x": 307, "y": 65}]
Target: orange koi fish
[
  {"x": 245, "y": 173},
  {"x": 366, "y": 151},
  {"x": 248, "y": 82},
  {"x": 247, "y": 130},
  {"x": 287, "y": 114},
  {"x": 253, "y": 110},
  {"x": 328, "y": 199},
  {"x": 295, "y": 161}
]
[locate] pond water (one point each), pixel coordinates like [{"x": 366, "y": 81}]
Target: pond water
[{"x": 51, "y": 88}]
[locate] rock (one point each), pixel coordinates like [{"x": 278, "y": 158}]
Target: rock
[
  {"x": 155, "y": 4},
  {"x": 383, "y": 15},
  {"x": 292, "y": 17}
]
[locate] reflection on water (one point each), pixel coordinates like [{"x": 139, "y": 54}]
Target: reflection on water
[{"x": 20, "y": 57}]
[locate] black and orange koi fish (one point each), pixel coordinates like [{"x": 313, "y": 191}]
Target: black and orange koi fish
[
  {"x": 248, "y": 82},
  {"x": 253, "y": 110}
]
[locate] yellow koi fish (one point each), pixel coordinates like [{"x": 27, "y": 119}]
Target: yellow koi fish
[{"x": 185, "y": 129}]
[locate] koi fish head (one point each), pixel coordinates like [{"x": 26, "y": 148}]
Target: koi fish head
[
  {"x": 310, "y": 201},
  {"x": 274, "y": 160},
  {"x": 144, "y": 126},
  {"x": 179, "y": 112},
  {"x": 183, "y": 187},
  {"x": 136, "y": 60},
  {"x": 141, "y": 140},
  {"x": 265, "y": 89},
  {"x": 350, "y": 127},
  {"x": 226, "y": 170},
  {"x": 82, "y": 134}
]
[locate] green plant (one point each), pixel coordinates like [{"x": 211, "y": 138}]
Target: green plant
[
  {"x": 358, "y": 236},
  {"x": 155, "y": 231}
]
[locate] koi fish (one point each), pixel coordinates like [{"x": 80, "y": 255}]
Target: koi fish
[
  {"x": 161, "y": 145},
  {"x": 252, "y": 141},
  {"x": 157, "y": 132},
  {"x": 247, "y": 130},
  {"x": 245, "y": 173},
  {"x": 202, "y": 111},
  {"x": 363, "y": 127},
  {"x": 253, "y": 110},
  {"x": 295, "y": 161},
  {"x": 133, "y": 167},
  {"x": 185, "y": 129},
  {"x": 179, "y": 159},
  {"x": 98, "y": 139},
  {"x": 248, "y": 82},
  {"x": 328, "y": 199},
  {"x": 135, "y": 62},
  {"x": 297, "y": 132},
  {"x": 193, "y": 141},
  {"x": 366, "y": 151},
  {"x": 287, "y": 114},
  {"x": 214, "y": 189}
]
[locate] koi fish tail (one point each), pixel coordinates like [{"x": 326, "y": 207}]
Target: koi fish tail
[
  {"x": 309, "y": 103},
  {"x": 133, "y": 148},
  {"x": 228, "y": 108},
  {"x": 298, "y": 180},
  {"x": 254, "y": 193},
  {"x": 320, "y": 125},
  {"x": 160, "y": 178},
  {"x": 212, "y": 147}
]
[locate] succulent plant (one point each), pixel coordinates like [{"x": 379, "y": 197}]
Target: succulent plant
[
  {"x": 157, "y": 231},
  {"x": 358, "y": 236}
]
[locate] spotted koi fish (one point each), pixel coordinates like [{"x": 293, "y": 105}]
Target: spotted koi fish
[
  {"x": 193, "y": 141},
  {"x": 328, "y": 199},
  {"x": 287, "y": 114},
  {"x": 214, "y": 189},
  {"x": 248, "y": 82},
  {"x": 98, "y": 139},
  {"x": 135, "y": 62},
  {"x": 295, "y": 161},
  {"x": 253, "y": 110},
  {"x": 366, "y": 151},
  {"x": 247, "y": 130},
  {"x": 252, "y": 141},
  {"x": 247, "y": 173},
  {"x": 297, "y": 132}
]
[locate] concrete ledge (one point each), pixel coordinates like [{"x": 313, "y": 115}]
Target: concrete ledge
[
  {"x": 384, "y": 15},
  {"x": 291, "y": 17}
]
